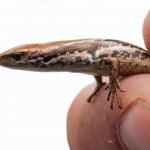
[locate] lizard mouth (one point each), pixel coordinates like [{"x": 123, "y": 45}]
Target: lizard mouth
[{"x": 9, "y": 59}]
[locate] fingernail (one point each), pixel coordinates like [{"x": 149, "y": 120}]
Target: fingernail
[{"x": 134, "y": 128}]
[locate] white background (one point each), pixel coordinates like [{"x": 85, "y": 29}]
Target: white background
[{"x": 33, "y": 106}]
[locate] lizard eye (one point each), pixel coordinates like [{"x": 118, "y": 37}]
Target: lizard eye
[
  {"x": 46, "y": 59},
  {"x": 16, "y": 56}
]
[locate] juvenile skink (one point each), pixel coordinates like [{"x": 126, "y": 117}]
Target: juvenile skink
[{"x": 97, "y": 57}]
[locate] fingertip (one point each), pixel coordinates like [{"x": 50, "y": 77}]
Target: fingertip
[
  {"x": 92, "y": 125},
  {"x": 134, "y": 126},
  {"x": 146, "y": 30}
]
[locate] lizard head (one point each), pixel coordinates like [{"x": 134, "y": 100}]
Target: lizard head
[
  {"x": 37, "y": 57},
  {"x": 18, "y": 57}
]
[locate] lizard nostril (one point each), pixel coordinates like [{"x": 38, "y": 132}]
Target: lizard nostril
[{"x": 16, "y": 56}]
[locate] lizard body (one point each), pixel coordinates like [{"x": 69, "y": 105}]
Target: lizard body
[{"x": 97, "y": 57}]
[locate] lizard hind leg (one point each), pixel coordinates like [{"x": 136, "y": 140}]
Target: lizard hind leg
[
  {"x": 98, "y": 86},
  {"x": 114, "y": 87}
]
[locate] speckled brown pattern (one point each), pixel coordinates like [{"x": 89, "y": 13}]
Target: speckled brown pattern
[{"x": 97, "y": 57}]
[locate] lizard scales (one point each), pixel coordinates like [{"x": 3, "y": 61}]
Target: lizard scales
[{"x": 98, "y": 57}]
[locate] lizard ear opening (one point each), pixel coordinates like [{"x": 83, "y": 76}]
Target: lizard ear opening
[{"x": 104, "y": 62}]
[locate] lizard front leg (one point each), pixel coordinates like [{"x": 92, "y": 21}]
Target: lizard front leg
[{"x": 98, "y": 86}]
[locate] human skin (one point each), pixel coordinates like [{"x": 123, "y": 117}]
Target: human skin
[{"x": 95, "y": 126}]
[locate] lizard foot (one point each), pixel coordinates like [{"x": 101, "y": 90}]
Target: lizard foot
[
  {"x": 95, "y": 92},
  {"x": 99, "y": 85},
  {"x": 114, "y": 87}
]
